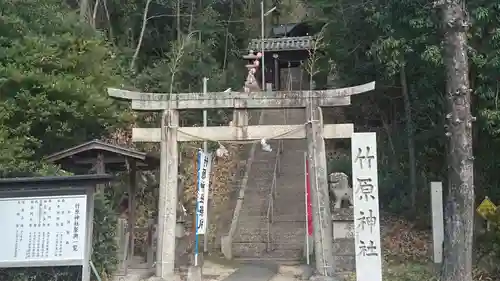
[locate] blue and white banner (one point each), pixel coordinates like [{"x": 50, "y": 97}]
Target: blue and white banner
[{"x": 204, "y": 167}]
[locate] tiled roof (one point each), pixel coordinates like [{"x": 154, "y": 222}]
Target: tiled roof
[{"x": 282, "y": 44}]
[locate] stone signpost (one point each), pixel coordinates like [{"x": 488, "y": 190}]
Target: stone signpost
[{"x": 366, "y": 207}]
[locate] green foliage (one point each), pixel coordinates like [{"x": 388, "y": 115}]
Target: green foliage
[
  {"x": 104, "y": 245},
  {"x": 53, "y": 77},
  {"x": 373, "y": 41},
  {"x": 104, "y": 254},
  {"x": 340, "y": 163}
]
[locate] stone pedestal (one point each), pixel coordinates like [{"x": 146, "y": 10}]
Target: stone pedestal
[{"x": 343, "y": 235}]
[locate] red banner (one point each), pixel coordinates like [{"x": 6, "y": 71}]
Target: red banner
[{"x": 308, "y": 201}]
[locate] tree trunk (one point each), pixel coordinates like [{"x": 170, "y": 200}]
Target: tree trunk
[
  {"x": 412, "y": 160},
  {"x": 178, "y": 25},
  {"x": 84, "y": 8},
  {"x": 459, "y": 213},
  {"x": 141, "y": 36}
]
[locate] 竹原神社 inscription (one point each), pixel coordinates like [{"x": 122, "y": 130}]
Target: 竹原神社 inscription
[
  {"x": 43, "y": 230},
  {"x": 366, "y": 207}
]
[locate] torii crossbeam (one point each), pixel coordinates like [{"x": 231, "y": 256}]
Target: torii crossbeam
[{"x": 252, "y": 100}]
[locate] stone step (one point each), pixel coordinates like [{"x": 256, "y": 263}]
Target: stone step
[
  {"x": 279, "y": 213},
  {"x": 278, "y": 251},
  {"x": 265, "y": 160},
  {"x": 259, "y": 185},
  {"x": 288, "y": 227},
  {"x": 286, "y": 199},
  {"x": 248, "y": 232},
  {"x": 286, "y": 230},
  {"x": 289, "y": 197},
  {"x": 287, "y": 164},
  {"x": 280, "y": 232},
  {"x": 253, "y": 215},
  {"x": 256, "y": 216},
  {"x": 285, "y": 188},
  {"x": 298, "y": 217},
  {"x": 260, "y": 190},
  {"x": 256, "y": 198},
  {"x": 297, "y": 193},
  {"x": 257, "y": 193},
  {"x": 294, "y": 209}
]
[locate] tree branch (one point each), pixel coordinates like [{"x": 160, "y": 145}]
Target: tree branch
[
  {"x": 141, "y": 36},
  {"x": 94, "y": 14}
]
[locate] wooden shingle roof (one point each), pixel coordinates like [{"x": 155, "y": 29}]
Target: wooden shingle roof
[
  {"x": 282, "y": 44},
  {"x": 115, "y": 157}
]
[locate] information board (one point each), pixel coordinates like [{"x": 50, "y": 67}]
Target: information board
[{"x": 48, "y": 230}]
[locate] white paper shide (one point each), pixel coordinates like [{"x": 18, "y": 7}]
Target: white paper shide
[
  {"x": 366, "y": 207},
  {"x": 204, "y": 167}
]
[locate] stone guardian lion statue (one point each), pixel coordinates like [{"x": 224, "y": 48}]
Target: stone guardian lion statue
[{"x": 339, "y": 187}]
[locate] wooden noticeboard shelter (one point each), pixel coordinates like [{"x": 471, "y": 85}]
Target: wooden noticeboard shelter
[{"x": 98, "y": 157}]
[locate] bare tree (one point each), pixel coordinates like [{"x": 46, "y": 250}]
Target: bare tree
[
  {"x": 141, "y": 36},
  {"x": 459, "y": 212}
]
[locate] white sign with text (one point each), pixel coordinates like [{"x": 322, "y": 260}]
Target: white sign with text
[
  {"x": 366, "y": 207},
  {"x": 43, "y": 230},
  {"x": 204, "y": 167}
]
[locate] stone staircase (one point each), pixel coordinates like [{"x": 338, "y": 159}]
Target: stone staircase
[
  {"x": 287, "y": 233},
  {"x": 288, "y": 230}
]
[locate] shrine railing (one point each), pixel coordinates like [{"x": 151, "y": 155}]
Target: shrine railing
[{"x": 272, "y": 191}]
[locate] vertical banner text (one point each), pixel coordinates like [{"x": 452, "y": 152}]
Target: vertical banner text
[{"x": 204, "y": 167}]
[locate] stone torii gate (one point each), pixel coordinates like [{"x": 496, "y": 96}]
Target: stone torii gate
[{"x": 314, "y": 130}]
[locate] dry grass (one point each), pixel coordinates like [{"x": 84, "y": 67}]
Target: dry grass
[{"x": 407, "y": 252}]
